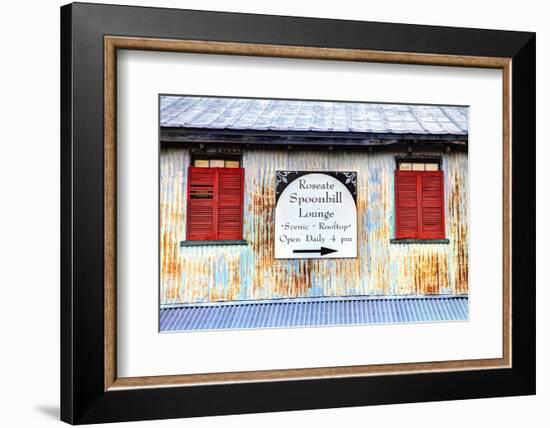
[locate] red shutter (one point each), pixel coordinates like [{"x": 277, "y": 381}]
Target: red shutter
[
  {"x": 433, "y": 215},
  {"x": 230, "y": 203},
  {"x": 419, "y": 205},
  {"x": 201, "y": 213},
  {"x": 406, "y": 205},
  {"x": 215, "y": 204}
]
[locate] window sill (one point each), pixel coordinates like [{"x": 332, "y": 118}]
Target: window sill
[
  {"x": 419, "y": 241},
  {"x": 221, "y": 242}
]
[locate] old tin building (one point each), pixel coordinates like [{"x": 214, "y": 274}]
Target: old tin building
[{"x": 396, "y": 150}]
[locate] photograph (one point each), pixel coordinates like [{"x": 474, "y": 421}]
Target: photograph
[
  {"x": 264, "y": 212},
  {"x": 286, "y": 213}
]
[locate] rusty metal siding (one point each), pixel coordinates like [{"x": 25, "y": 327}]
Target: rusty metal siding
[{"x": 250, "y": 272}]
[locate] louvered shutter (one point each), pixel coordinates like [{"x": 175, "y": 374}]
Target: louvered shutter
[
  {"x": 432, "y": 204},
  {"x": 215, "y": 204},
  {"x": 201, "y": 203},
  {"x": 407, "y": 204},
  {"x": 230, "y": 203}
]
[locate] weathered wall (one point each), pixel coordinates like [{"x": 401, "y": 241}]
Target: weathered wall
[{"x": 216, "y": 273}]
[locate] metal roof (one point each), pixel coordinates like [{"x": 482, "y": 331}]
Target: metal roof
[
  {"x": 313, "y": 312},
  {"x": 321, "y": 116}
]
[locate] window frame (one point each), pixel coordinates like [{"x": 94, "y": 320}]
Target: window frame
[
  {"x": 421, "y": 238},
  {"x": 215, "y": 200}
]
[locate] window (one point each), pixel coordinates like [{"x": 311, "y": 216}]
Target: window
[
  {"x": 419, "y": 201},
  {"x": 215, "y": 200},
  {"x": 232, "y": 162}
]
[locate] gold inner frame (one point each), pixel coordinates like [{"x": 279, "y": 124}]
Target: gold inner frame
[{"x": 113, "y": 43}]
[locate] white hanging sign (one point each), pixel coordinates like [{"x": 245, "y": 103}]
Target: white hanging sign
[{"x": 316, "y": 215}]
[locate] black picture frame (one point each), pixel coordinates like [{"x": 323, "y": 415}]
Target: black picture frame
[{"x": 83, "y": 396}]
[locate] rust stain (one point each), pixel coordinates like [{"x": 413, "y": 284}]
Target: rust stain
[
  {"x": 459, "y": 229},
  {"x": 217, "y": 273}
]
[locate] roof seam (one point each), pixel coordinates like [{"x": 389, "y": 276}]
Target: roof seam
[
  {"x": 451, "y": 119},
  {"x": 180, "y": 112},
  {"x": 222, "y": 112},
  {"x": 244, "y": 112}
]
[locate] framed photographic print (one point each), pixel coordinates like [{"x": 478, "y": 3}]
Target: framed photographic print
[{"x": 265, "y": 213}]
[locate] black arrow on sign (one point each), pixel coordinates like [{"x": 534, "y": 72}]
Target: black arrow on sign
[{"x": 322, "y": 251}]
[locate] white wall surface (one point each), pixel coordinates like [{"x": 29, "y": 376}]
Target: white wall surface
[{"x": 29, "y": 219}]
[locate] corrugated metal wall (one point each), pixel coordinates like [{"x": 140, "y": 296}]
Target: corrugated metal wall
[{"x": 217, "y": 273}]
